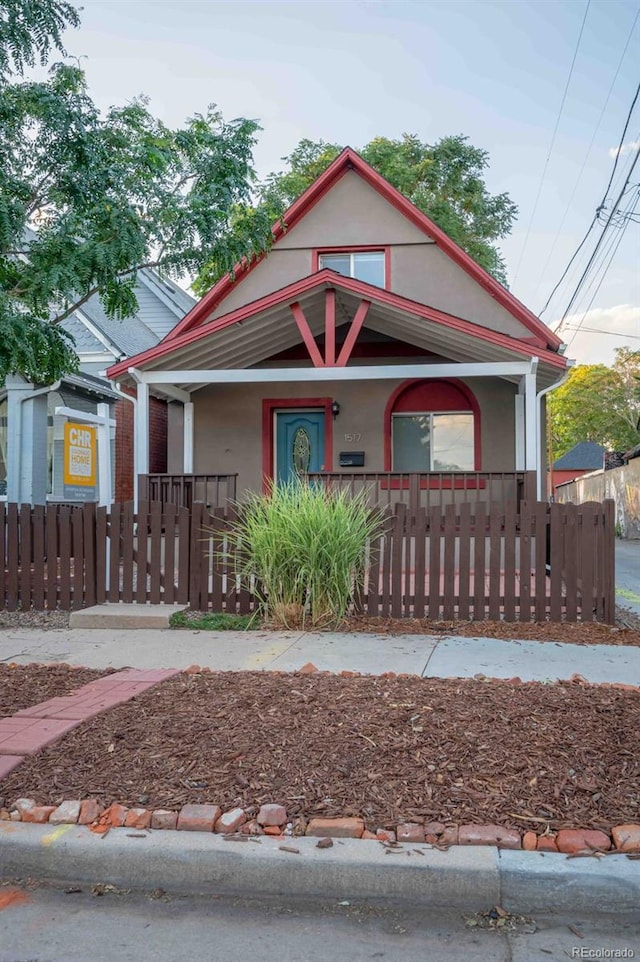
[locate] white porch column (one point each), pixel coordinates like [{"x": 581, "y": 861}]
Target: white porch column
[
  {"x": 187, "y": 457},
  {"x": 519, "y": 428},
  {"x": 530, "y": 418}
]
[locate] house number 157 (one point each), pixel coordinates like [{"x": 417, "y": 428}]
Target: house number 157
[{"x": 353, "y": 437}]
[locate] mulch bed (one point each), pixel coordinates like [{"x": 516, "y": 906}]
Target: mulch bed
[
  {"x": 583, "y": 633},
  {"x": 388, "y": 748},
  {"x": 23, "y": 686}
]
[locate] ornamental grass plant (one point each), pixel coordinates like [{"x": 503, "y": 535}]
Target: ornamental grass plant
[{"x": 301, "y": 549}]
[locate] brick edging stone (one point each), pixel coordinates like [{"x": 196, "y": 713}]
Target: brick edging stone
[{"x": 272, "y": 820}]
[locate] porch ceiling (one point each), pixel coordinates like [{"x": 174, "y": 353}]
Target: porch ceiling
[{"x": 252, "y": 341}]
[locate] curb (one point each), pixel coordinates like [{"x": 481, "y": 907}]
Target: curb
[{"x": 467, "y": 878}]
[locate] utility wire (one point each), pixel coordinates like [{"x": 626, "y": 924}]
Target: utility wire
[
  {"x": 631, "y": 210},
  {"x": 587, "y": 155},
  {"x": 600, "y": 239},
  {"x": 620, "y": 145},
  {"x": 591, "y": 226},
  {"x": 551, "y": 145}
]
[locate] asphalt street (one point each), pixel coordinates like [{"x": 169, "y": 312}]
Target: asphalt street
[{"x": 81, "y": 923}]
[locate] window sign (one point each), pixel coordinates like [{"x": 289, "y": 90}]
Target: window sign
[{"x": 80, "y": 462}]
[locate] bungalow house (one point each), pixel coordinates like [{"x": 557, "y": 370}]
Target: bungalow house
[{"x": 365, "y": 340}]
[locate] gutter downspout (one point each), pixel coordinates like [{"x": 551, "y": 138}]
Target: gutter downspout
[
  {"x": 541, "y": 450},
  {"x": 127, "y": 397}
]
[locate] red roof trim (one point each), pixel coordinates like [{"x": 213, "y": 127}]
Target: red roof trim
[
  {"x": 350, "y": 160},
  {"x": 329, "y": 278}
]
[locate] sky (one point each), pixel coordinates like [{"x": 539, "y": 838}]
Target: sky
[{"x": 498, "y": 71}]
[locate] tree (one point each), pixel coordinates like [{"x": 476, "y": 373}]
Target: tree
[
  {"x": 598, "y": 403},
  {"x": 445, "y": 180},
  {"x": 87, "y": 200}
]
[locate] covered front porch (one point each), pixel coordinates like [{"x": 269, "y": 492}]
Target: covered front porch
[{"x": 336, "y": 378}]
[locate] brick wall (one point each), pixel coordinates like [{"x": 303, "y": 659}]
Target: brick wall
[{"x": 124, "y": 444}]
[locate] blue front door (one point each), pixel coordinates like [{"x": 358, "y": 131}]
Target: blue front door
[{"x": 299, "y": 443}]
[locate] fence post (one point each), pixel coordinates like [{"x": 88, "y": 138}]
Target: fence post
[{"x": 608, "y": 543}]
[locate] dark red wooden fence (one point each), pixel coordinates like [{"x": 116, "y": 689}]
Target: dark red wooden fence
[{"x": 467, "y": 561}]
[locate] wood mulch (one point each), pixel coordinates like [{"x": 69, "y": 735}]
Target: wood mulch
[
  {"x": 23, "y": 686},
  {"x": 389, "y": 748},
  {"x": 626, "y": 631}
]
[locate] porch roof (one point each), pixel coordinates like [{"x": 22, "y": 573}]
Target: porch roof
[{"x": 249, "y": 336}]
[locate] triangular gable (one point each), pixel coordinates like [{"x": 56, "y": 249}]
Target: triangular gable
[{"x": 346, "y": 161}]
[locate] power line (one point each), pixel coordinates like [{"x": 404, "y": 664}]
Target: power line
[
  {"x": 588, "y": 154},
  {"x": 620, "y": 145},
  {"x": 600, "y": 240},
  {"x": 553, "y": 140},
  {"x": 631, "y": 210}
]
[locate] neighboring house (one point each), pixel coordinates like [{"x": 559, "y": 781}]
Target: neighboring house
[
  {"x": 366, "y": 338},
  {"x": 100, "y": 341},
  {"x": 583, "y": 457}
]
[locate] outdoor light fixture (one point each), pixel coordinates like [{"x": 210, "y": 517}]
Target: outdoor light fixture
[{"x": 335, "y": 409}]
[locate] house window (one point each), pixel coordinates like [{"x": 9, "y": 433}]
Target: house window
[
  {"x": 433, "y": 441},
  {"x": 365, "y": 266}
]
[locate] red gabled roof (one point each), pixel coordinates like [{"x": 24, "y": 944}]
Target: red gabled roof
[
  {"x": 328, "y": 278},
  {"x": 347, "y": 160}
]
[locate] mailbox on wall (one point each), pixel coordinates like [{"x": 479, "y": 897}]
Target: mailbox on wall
[{"x": 351, "y": 459}]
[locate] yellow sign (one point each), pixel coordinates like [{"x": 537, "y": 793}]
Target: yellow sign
[{"x": 80, "y": 455}]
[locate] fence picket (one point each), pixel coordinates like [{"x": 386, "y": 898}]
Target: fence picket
[
  {"x": 479, "y": 561},
  {"x": 419, "y": 563},
  {"x": 571, "y": 562},
  {"x": 449, "y": 571},
  {"x": 26, "y": 555},
  {"x": 116, "y": 555},
  {"x": 525, "y": 544},
  {"x": 3, "y": 556},
  {"x": 184, "y": 555},
  {"x": 157, "y": 579},
  {"x": 435, "y": 517},
  {"x": 78, "y": 575},
  {"x": 509, "y": 576},
  {"x": 542, "y": 522},
  {"x": 101, "y": 555},
  {"x": 495, "y": 544},
  {"x": 464, "y": 562},
  {"x": 51, "y": 534},
  {"x": 64, "y": 545}
]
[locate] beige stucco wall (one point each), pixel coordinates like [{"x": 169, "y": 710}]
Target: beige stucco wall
[
  {"x": 353, "y": 213},
  {"x": 228, "y": 423}
]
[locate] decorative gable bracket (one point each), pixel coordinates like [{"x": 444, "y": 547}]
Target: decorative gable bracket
[{"x": 355, "y": 327}]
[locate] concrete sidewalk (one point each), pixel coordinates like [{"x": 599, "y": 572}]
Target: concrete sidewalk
[{"x": 429, "y": 656}]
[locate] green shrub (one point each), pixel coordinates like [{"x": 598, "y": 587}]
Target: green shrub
[{"x": 301, "y": 550}]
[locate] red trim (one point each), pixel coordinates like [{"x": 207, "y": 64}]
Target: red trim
[
  {"x": 307, "y": 336},
  {"x": 355, "y": 249},
  {"x": 269, "y": 405},
  {"x": 331, "y": 279},
  {"x": 354, "y": 330},
  {"x": 461, "y": 387},
  {"x": 350, "y": 160},
  {"x": 330, "y": 327}
]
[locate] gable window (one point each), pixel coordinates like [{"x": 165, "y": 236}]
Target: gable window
[
  {"x": 433, "y": 441},
  {"x": 365, "y": 266}
]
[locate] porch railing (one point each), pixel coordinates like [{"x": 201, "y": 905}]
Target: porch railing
[
  {"x": 214, "y": 490},
  {"x": 388, "y": 488}
]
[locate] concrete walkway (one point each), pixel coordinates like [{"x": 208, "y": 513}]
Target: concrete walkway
[{"x": 426, "y": 655}]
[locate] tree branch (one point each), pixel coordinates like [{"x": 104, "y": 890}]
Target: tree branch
[{"x": 94, "y": 290}]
